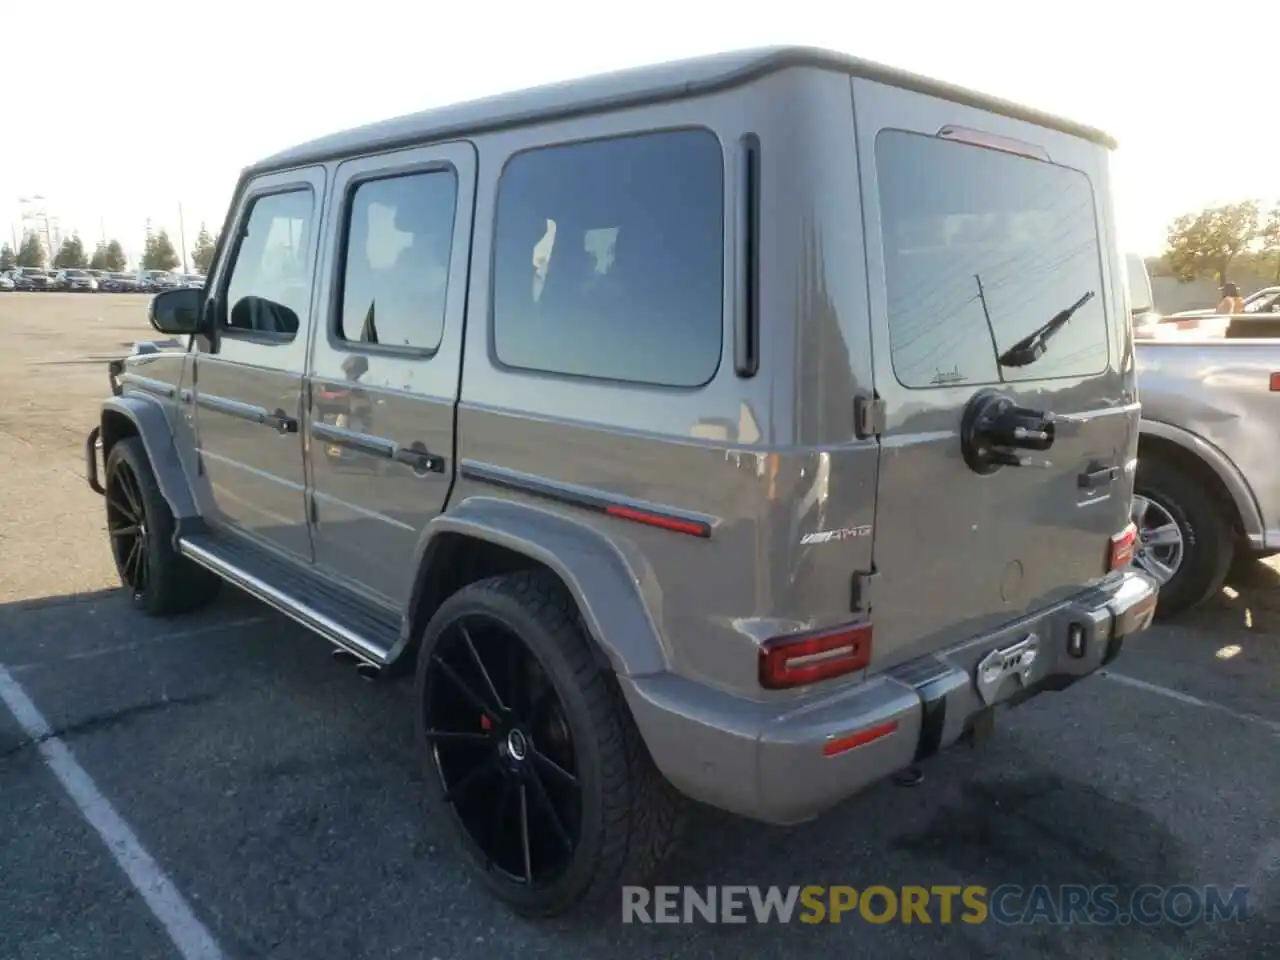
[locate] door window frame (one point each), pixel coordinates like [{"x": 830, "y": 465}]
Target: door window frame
[
  {"x": 310, "y": 179},
  {"x": 348, "y": 178}
]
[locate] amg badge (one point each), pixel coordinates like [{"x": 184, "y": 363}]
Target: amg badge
[{"x": 844, "y": 533}]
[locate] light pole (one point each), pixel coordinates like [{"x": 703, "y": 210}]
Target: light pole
[
  {"x": 182, "y": 239},
  {"x": 32, "y": 208}
]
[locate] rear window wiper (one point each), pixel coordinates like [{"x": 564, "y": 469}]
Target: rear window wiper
[{"x": 1033, "y": 346}]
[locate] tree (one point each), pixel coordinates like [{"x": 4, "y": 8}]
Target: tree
[
  {"x": 1270, "y": 237},
  {"x": 108, "y": 256},
  {"x": 31, "y": 253},
  {"x": 71, "y": 254},
  {"x": 159, "y": 253},
  {"x": 8, "y": 259},
  {"x": 116, "y": 260},
  {"x": 202, "y": 252},
  {"x": 1205, "y": 243}
]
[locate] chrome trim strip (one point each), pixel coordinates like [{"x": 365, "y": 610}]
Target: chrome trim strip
[
  {"x": 332, "y": 631},
  {"x": 232, "y": 408},
  {"x": 364, "y": 442},
  {"x": 587, "y": 498},
  {"x": 148, "y": 385}
]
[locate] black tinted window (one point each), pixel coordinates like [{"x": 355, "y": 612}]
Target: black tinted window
[
  {"x": 270, "y": 286},
  {"x": 981, "y": 248},
  {"x": 608, "y": 259},
  {"x": 399, "y": 236}
]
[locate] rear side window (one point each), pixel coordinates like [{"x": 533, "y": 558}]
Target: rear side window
[
  {"x": 981, "y": 248},
  {"x": 399, "y": 236},
  {"x": 608, "y": 259}
]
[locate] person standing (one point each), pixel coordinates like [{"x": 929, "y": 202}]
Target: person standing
[{"x": 1231, "y": 301}]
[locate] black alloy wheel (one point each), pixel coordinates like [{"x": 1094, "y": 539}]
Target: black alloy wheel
[
  {"x": 501, "y": 744},
  {"x": 127, "y": 526}
]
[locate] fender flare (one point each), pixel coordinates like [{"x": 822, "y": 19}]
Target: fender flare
[
  {"x": 151, "y": 424},
  {"x": 1232, "y": 479},
  {"x": 608, "y": 586}
]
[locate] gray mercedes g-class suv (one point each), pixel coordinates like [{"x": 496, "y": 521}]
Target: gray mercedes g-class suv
[{"x": 744, "y": 429}]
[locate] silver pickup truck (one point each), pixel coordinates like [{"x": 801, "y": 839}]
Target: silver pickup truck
[{"x": 1208, "y": 488}]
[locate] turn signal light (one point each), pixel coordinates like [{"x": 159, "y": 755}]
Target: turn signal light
[
  {"x": 803, "y": 658},
  {"x": 1122, "y": 547}
]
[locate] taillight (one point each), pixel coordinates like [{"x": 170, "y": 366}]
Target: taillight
[
  {"x": 1122, "y": 547},
  {"x": 798, "y": 659}
]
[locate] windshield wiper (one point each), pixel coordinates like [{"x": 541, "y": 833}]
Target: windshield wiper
[{"x": 1033, "y": 346}]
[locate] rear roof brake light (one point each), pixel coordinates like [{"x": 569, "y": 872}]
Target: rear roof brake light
[{"x": 993, "y": 141}]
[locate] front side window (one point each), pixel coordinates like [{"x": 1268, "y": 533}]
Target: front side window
[
  {"x": 608, "y": 259},
  {"x": 399, "y": 237},
  {"x": 982, "y": 247},
  {"x": 270, "y": 286}
]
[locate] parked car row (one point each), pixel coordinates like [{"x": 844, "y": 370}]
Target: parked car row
[{"x": 95, "y": 281}]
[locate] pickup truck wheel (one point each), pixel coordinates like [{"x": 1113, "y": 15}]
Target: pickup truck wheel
[
  {"x": 161, "y": 581},
  {"x": 1184, "y": 536},
  {"x": 530, "y": 753}
]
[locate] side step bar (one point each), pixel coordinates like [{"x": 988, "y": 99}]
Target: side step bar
[{"x": 311, "y": 618}]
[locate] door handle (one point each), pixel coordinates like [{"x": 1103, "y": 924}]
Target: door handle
[
  {"x": 417, "y": 456},
  {"x": 281, "y": 422},
  {"x": 1096, "y": 476}
]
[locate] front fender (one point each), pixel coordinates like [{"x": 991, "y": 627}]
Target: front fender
[
  {"x": 606, "y": 585},
  {"x": 1217, "y": 461},
  {"x": 148, "y": 420}
]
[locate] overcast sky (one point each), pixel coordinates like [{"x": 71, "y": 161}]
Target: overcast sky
[{"x": 122, "y": 113}]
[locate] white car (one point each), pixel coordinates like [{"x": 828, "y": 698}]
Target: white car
[
  {"x": 1266, "y": 300},
  {"x": 6, "y": 283}
]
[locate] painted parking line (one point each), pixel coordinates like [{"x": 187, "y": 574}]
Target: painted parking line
[
  {"x": 139, "y": 644},
  {"x": 1189, "y": 700},
  {"x": 188, "y": 934}
]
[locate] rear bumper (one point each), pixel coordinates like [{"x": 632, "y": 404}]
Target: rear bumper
[{"x": 766, "y": 760}]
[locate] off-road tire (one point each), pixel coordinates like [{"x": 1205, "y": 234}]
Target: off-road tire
[
  {"x": 174, "y": 584},
  {"x": 632, "y": 817},
  {"x": 1208, "y": 543}
]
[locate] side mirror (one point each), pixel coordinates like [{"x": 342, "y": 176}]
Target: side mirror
[{"x": 177, "y": 312}]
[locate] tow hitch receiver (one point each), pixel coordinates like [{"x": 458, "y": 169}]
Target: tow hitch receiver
[{"x": 1016, "y": 660}]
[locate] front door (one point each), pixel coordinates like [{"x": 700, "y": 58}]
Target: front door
[
  {"x": 981, "y": 228},
  {"x": 386, "y": 362},
  {"x": 248, "y": 389}
]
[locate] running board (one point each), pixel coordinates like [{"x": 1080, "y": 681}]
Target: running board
[{"x": 346, "y": 624}]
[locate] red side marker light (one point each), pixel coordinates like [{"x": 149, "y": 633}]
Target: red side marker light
[
  {"x": 1275, "y": 382},
  {"x": 861, "y": 738},
  {"x": 675, "y": 524},
  {"x": 799, "y": 659}
]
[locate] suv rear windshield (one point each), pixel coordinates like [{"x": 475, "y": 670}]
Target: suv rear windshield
[{"x": 981, "y": 247}]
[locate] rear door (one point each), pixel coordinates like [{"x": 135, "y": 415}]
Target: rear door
[
  {"x": 386, "y": 361},
  {"x": 979, "y": 230}
]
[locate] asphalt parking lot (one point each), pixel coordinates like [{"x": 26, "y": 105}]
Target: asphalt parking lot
[{"x": 275, "y": 795}]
